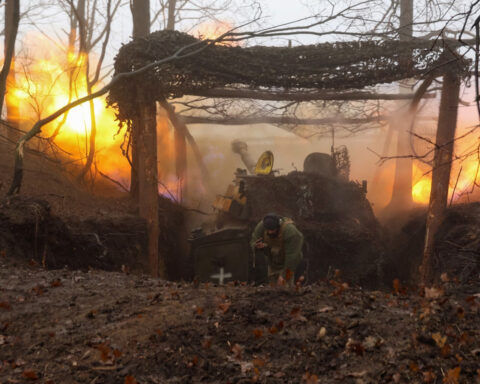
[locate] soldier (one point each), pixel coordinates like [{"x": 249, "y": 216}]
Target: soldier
[{"x": 281, "y": 243}]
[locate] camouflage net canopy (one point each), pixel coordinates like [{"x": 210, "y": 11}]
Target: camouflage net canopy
[{"x": 335, "y": 66}]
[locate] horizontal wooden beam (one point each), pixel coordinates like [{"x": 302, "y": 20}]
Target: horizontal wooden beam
[
  {"x": 230, "y": 93},
  {"x": 279, "y": 120}
]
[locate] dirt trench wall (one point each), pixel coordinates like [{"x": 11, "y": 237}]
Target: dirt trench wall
[
  {"x": 456, "y": 250},
  {"x": 29, "y": 230}
]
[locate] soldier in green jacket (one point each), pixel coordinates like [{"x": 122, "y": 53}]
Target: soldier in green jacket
[{"x": 281, "y": 243}]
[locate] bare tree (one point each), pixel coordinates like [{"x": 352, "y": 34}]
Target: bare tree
[
  {"x": 87, "y": 14},
  {"x": 12, "y": 19}
]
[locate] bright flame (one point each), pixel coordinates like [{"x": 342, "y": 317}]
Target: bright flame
[
  {"x": 466, "y": 173},
  {"x": 212, "y": 30},
  {"x": 43, "y": 86}
]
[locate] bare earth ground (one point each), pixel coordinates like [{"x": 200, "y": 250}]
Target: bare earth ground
[{"x": 104, "y": 327}]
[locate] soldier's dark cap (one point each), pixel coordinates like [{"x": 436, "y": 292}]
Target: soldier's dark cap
[{"x": 271, "y": 221}]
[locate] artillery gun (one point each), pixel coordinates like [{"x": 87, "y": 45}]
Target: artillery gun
[{"x": 340, "y": 229}]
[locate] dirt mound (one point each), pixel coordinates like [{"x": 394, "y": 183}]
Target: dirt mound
[
  {"x": 58, "y": 222},
  {"x": 30, "y": 230},
  {"x": 457, "y": 245},
  {"x": 338, "y": 223},
  {"x": 456, "y": 250}
]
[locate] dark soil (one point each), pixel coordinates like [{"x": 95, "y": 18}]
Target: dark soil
[{"x": 105, "y": 327}]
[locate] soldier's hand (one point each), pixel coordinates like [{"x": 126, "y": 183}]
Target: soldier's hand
[{"x": 259, "y": 244}]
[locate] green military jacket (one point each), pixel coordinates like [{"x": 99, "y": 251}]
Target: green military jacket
[{"x": 290, "y": 242}]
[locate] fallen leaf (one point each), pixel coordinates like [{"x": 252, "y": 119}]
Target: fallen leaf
[
  {"x": 273, "y": 330},
  {"x": 452, "y": 376},
  {"x": 460, "y": 313},
  {"x": 258, "y": 333},
  {"x": 224, "y": 306},
  {"x": 445, "y": 351},
  {"x": 207, "y": 343},
  {"x": 288, "y": 275},
  {"x": 439, "y": 339},
  {"x": 30, "y": 375},
  {"x": 130, "y": 380},
  {"x": 38, "y": 290},
  {"x": 433, "y": 293},
  {"x": 321, "y": 333},
  {"x": 357, "y": 374},
  {"x": 297, "y": 315},
  {"x": 414, "y": 367},
  {"x": 259, "y": 363},
  {"x": 104, "y": 351},
  {"x": 429, "y": 376},
  {"x": 325, "y": 309},
  {"x": 355, "y": 347},
  {"x": 56, "y": 283},
  {"x": 237, "y": 351},
  {"x": 371, "y": 342},
  {"x": 444, "y": 277},
  {"x": 396, "y": 286},
  {"x": 309, "y": 378},
  {"x": 245, "y": 366},
  {"x": 193, "y": 363}
]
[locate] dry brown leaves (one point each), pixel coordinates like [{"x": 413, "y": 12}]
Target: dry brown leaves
[
  {"x": 452, "y": 376},
  {"x": 30, "y": 375},
  {"x": 237, "y": 351},
  {"x": 308, "y": 378},
  {"x": 130, "y": 380},
  {"x": 258, "y": 333},
  {"x": 296, "y": 314}
]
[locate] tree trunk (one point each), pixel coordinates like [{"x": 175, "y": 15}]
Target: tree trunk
[
  {"x": 171, "y": 15},
  {"x": 402, "y": 184},
  {"x": 181, "y": 127},
  {"x": 141, "y": 28},
  {"x": 146, "y": 126},
  {"x": 12, "y": 19},
  {"x": 11, "y": 103},
  {"x": 442, "y": 164}
]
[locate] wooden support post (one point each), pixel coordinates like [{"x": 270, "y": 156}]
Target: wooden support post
[
  {"x": 442, "y": 164},
  {"x": 148, "y": 182},
  {"x": 180, "y": 126},
  {"x": 141, "y": 28},
  {"x": 181, "y": 162}
]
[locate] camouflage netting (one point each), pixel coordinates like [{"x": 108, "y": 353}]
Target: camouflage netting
[{"x": 337, "y": 66}]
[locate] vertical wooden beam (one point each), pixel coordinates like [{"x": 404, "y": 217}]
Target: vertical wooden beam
[
  {"x": 442, "y": 164},
  {"x": 180, "y": 126},
  {"x": 181, "y": 162},
  {"x": 148, "y": 182},
  {"x": 141, "y": 27}
]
